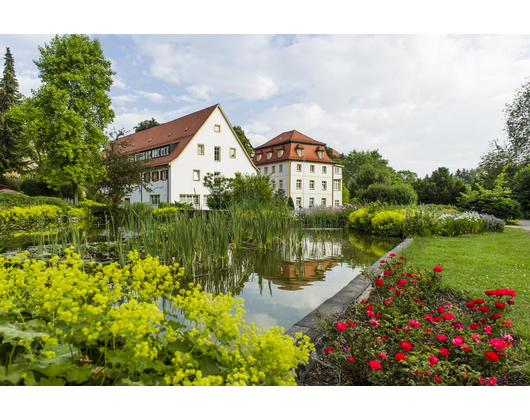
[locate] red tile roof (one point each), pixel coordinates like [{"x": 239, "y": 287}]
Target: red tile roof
[
  {"x": 179, "y": 131},
  {"x": 290, "y": 136},
  {"x": 289, "y": 142}
]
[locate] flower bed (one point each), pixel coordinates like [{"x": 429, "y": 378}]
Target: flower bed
[
  {"x": 46, "y": 214},
  {"x": 405, "y": 335},
  {"x": 62, "y": 325},
  {"x": 421, "y": 222}
]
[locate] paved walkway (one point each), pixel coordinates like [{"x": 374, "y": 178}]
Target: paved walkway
[{"x": 523, "y": 224}]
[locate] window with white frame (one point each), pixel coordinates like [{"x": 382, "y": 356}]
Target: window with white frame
[
  {"x": 190, "y": 199},
  {"x": 311, "y": 184},
  {"x": 300, "y": 152},
  {"x": 266, "y": 169},
  {"x": 280, "y": 184},
  {"x": 337, "y": 169},
  {"x": 196, "y": 175},
  {"x": 323, "y": 201},
  {"x": 232, "y": 153},
  {"x": 324, "y": 169},
  {"x": 217, "y": 154},
  {"x": 299, "y": 167},
  {"x": 324, "y": 185},
  {"x": 312, "y": 168},
  {"x": 280, "y": 153},
  {"x": 269, "y": 155},
  {"x": 258, "y": 157},
  {"x": 298, "y": 184},
  {"x": 336, "y": 184},
  {"x": 154, "y": 199},
  {"x": 273, "y": 169},
  {"x": 200, "y": 149},
  {"x": 311, "y": 201},
  {"x": 217, "y": 128},
  {"x": 320, "y": 154},
  {"x": 280, "y": 168},
  {"x": 298, "y": 201}
]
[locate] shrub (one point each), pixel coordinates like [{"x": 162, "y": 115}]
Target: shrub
[
  {"x": 388, "y": 223},
  {"x": 60, "y": 325},
  {"x": 399, "y": 194},
  {"x": 521, "y": 189},
  {"x": 420, "y": 222},
  {"x": 361, "y": 220},
  {"x": 407, "y": 334},
  {"x": 34, "y": 188},
  {"x": 290, "y": 203}
]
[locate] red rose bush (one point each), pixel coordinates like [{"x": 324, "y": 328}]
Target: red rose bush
[{"x": 407, "y": 334}]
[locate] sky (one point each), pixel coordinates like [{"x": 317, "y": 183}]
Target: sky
[{"x": 423, "y": 101}]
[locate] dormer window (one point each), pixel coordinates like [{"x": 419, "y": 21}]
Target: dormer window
[
  {"x": 269, "y": 154},
  {"x": 300, "y": 151},
  {"x": 280, "y": 153},
  {"x": 258, "y": 157},
  {"x": 320, "y": 154}
]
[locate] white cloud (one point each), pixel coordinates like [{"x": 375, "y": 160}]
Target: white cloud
[
  {"x": 121, "y": 99},
  {"x": 152, "y": 96}
]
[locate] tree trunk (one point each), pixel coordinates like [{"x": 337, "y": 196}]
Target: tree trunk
[{"x": 76, "y": 199}]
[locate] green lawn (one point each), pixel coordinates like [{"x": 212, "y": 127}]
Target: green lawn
[{"x": 475, "y": 263}]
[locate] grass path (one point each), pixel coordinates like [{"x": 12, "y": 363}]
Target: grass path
[{"x": 475, "y": 263}]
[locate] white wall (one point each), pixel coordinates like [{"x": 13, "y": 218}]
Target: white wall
[
  {"x": 189, "y": 160},
  {"x": 305, "y": 193}
]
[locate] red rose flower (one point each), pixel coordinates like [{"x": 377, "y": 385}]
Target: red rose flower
[
  {"x": 437, "y": 378},
  {"x": 351, "y": 359},
  {"x": 341, "y": 326},
  {"x": 392, "y": 255},
  {"x": 500, "y": 305},
  {"x": 437, "y": 319},
  {"x": 382, "y": 261},
  {"x": 479, "y": 300},
  {"x": 473, "y": 326},
  {"x": 329, "y": 350},
  {"x": 448, "y": 316},
  {"x": 438, "y": 269},
  {"x": 441, "y": 309},
  {"x": 351, "y": 324},
  {"x": 401, "y": 258},
  {"x": 472, "y": 303},
  {"x": 433, "y": 360},
  {"x": 398, "y": 293},
  {"x": 444, "y": 352},
  {"x": 379, "y": 283},
  {"x": 405, "y": 345},
  {"x": 441, "y": 337},
  {"x": 369, "y": 307},
  {"x": 400, "y": 356},
  {"x": 388, "y": 273},
  {"x": 510, "y": 302},
  {"x": 484, "y": 309},
  {"x": 492, "y": 356},
  {"x": 375, "y": 365}
]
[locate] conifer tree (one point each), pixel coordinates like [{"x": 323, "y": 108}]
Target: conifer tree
[{"x": 11, "y": 151}]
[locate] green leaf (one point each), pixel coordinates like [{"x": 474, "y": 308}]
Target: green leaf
[
  {"x": 52, "y": 382},
  {"x": 13, "y": 333},
  {"x": 14, "y": 373},
  {"x": 62, "y": 356},
  {"x": 79, "y": 374}
]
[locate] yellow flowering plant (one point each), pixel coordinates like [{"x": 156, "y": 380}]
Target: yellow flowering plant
[{"x": 66, "y": 323}]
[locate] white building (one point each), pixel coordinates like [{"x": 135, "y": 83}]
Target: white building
[
  {"x": 183, "y": 151},
  {"x": 301, "y": 167}
]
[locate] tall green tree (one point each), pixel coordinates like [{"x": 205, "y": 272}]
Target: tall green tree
[
  {"x": 441, "y": 187},
  {"x": 517, "y": 116},
  {"x": 244, "y": 140},
  {"x": 72, "y": 108},
  {"x": 361, "y": 169},
  {"x": 11, "y": 149},
  {"x": 144, "y": 125}
]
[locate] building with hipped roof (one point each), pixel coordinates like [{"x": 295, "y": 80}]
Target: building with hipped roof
[
  {"x": 300, "y": 166},
  {"x": 182, "y": 151}
]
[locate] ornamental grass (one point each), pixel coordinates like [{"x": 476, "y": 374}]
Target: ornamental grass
[{"x": 408, "y": 333}]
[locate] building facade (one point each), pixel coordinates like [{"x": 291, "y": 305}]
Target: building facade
[
  {"x": 300, "y": 166},
  {"x": 183, "y": 151}
]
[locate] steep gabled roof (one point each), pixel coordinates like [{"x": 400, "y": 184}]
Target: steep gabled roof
[{"x": 179, "y": 131}]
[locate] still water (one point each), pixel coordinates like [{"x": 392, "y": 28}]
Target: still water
[{"x": 282, "y": 285}]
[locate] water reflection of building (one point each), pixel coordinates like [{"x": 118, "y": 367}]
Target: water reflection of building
[{"x": 304, "y": 263}]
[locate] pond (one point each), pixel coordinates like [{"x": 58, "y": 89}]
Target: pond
[{"x": 281, "y": 285}]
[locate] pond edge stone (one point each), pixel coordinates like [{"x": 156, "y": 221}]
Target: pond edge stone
[{"x": 357, "y": 289}]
